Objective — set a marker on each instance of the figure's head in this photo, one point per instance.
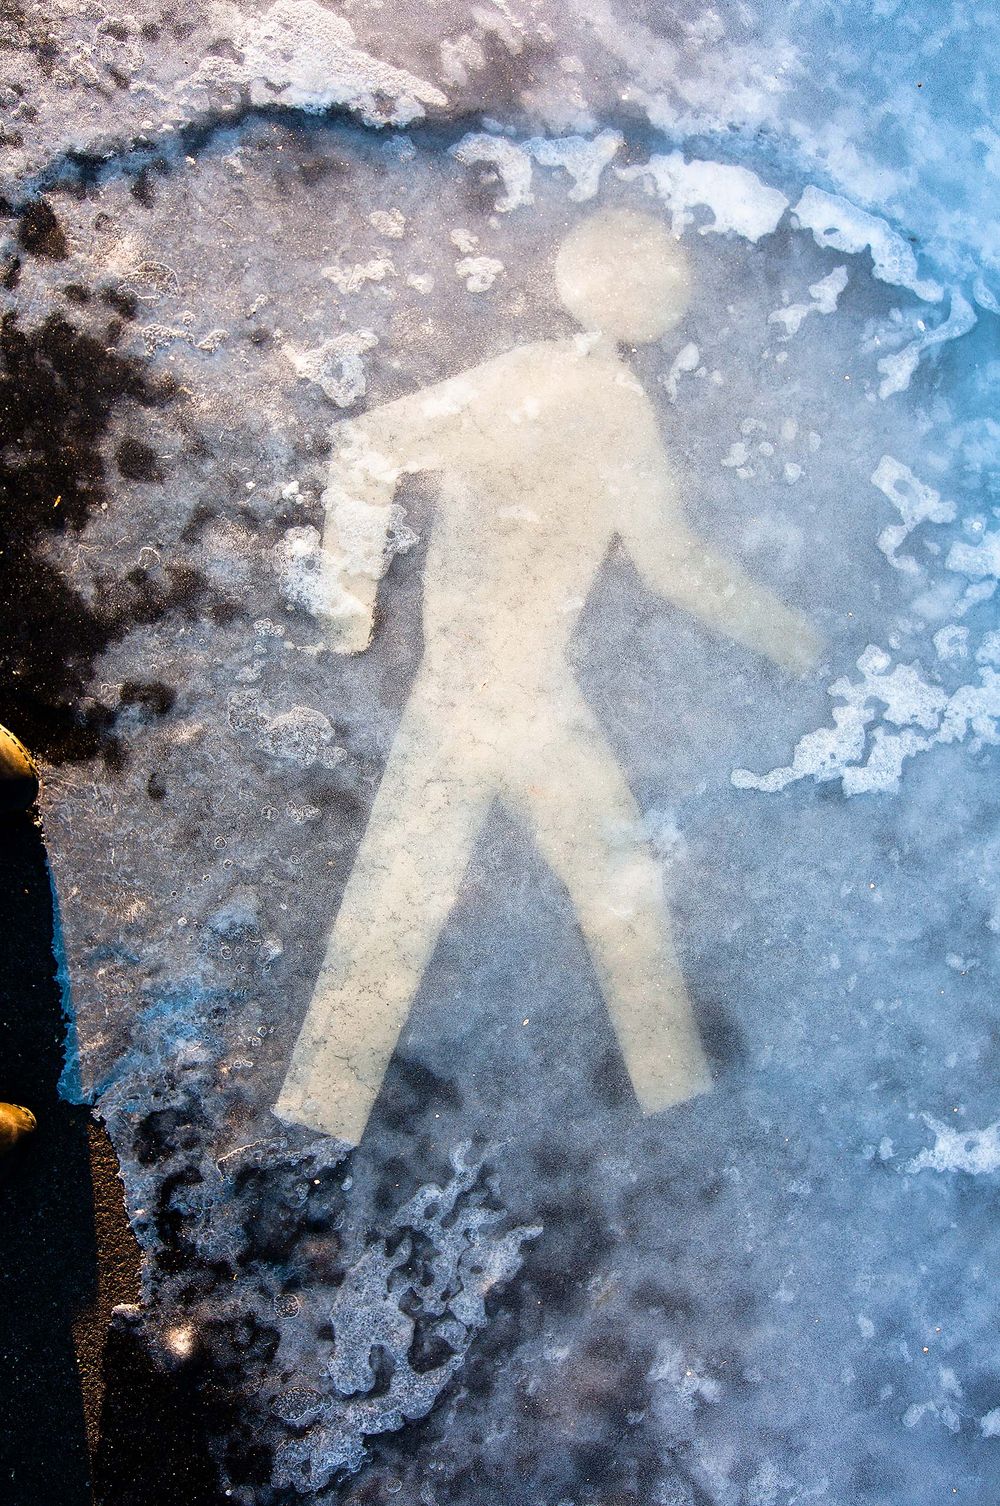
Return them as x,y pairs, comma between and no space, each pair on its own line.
621,272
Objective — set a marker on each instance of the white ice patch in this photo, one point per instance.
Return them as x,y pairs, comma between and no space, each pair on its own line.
838,223
861,750
951,643
584,158
897,369
988,651
674,1373
158,336
301,736
824,295
302,55
349,279
335,577
942,1412
388,222
335,366
915,503
976,560
479,273
316,579
463,240
984,297
370,528
298,560
976,1152
660,830
512,164
736,198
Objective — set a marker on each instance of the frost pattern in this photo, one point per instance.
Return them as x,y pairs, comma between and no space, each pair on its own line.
300,54
861,751
974,1151
336,366
330,1341
823,294
301,736
737,199
837,222
895,711
433,1280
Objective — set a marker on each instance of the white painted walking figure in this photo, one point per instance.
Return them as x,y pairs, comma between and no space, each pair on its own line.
544,455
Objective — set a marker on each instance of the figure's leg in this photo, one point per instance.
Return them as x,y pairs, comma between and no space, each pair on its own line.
423,823
589,829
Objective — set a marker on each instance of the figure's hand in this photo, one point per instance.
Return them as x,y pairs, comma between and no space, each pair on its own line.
733,605
348,632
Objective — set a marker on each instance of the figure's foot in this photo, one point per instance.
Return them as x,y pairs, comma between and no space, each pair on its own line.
15,1123
18,775
340,1117
662,1082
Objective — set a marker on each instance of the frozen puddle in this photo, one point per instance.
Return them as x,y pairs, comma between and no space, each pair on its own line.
520,767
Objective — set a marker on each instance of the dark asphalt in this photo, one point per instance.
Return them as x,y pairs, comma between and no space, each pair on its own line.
85,1418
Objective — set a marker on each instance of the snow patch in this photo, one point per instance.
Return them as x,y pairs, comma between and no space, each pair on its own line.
915,503
737,199
583,158
824,295
304,56
336,366
976,1152
838,223
925,714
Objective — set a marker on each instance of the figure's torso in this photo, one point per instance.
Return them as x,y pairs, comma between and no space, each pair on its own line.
533,453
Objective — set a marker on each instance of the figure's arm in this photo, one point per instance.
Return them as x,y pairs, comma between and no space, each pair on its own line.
370,455
358,500
675,563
